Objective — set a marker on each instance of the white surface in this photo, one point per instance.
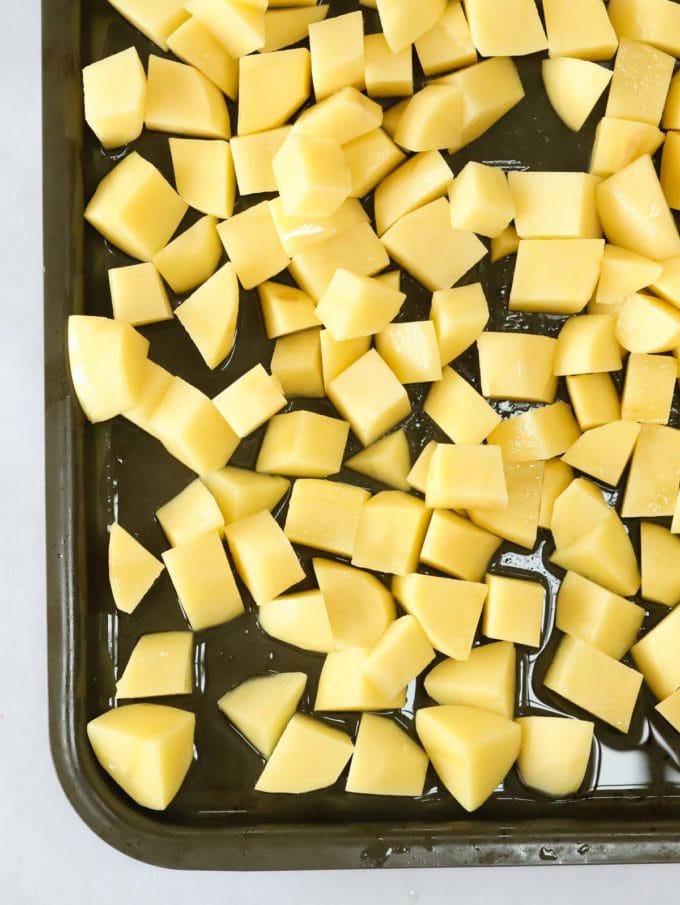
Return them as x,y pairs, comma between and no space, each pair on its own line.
47,856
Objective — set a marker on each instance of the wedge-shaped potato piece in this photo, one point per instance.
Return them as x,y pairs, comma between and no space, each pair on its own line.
138,295
359,607
309,755
594,399
263,556
421,179
448,44
540,433
515,31
595,682
472,750
156,19
353,305
448,611
456,546
410,349
296,364
204,174
344,685
344,116
337,356
114,95
595,615
272,86
642,77
307,520
204,582
462,476
671,112
669,709
160,664
387,460
285,309
580,507
557,476
132,569
655,21
624,272
518,521
299,234
250,401
390,533
135,208
146,748
660,562
237,26
459,410
667,284
182,100
573,88
670,169
554,754
505,244
459,316
210,315
518,366
386,760
513,610
648,324
603,452
555,205
192,43
107,360
417,476
649,388
261,707
192,257
240,493
193,511
481,200
253,156
656,655
619,142
303,444
485,680
253,246
298,619
399,656
404,21
283,27
587,345
557,276
432,120
654,473
387,74
337,47
155,384
579,29
370,158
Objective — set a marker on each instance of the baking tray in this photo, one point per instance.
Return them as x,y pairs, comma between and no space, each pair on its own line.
629,808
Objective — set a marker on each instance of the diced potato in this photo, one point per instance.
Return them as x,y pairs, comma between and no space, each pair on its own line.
283,27
619,142
107,359
557,476
253,246
250,401
432,120
472,750
135,208
421,179
204,174
192,257
192,43
404,21
481,200
309,755
192,512
670,169
594,399
667,284
579,28
603,452
411,351
253,156
204,582
513,610
624,272
386,760
671,112
156,19
649,388
387,74
642,77
370,158
459,316
555,205
262,707
272,86
594,682
660,564
505,244
240,493
557,276
132,569
263,556
515,31
138,295
518,521
457,547
146,748
299,234
344,685
519,366
390,533
336,356
399,656
485,680
237,26
448,611
656,655
574,87
337,47
655,21
114,95
210,313
578,508
387,460
459,410
296,364
675,524
182,100
554,753
303,445
463,476
587,345
448,44
354,305
298,619
285,309
648,324
343,116
359,607
597,616
540,433
160,664
155,384
307,520
669,709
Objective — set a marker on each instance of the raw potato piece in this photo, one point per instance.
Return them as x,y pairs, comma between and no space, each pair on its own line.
132,569
481,200
192,512
654,474
573,88
623,273
670,169
354,306
404,21
667,283
432,120
400,655
448,44
387,460
464,476
160,664
587,345
250,401
336,356
337,47
192,43
649,388
303,444
262,707
604,452
456,546
472,750
642,77
387,74
191,258
307,521
309,755
182,100
656,656
344,116
344,685
619,142
411,351
240,492
155,384
302,234
272,86
580,507
504,245
660,564
421,179
283,27
390,533
300,620
540,433
114,91
138,295
655,21
554,754
557,476
555,205
238,26
285,309
671,112
594,399
518,366
518,521
204,174
459,316
156,19
386,760
513,610
252,244
370,158
579,28
485,680
210,314
146,748
417,476
296,364
253,156
514,31
670,709
459,410
557,276
647,324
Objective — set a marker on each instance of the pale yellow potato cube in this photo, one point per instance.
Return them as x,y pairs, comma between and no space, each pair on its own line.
210,313
410,349
107,360
253,246
594,399
649,388
147,749
204,174
432,120
557,476
448,44
298,619
386,761
514,31
619,142
343,116
353,305
309,755
557,276
555,752
132,569
555,205
388,461
202,577
485,680
655,21
481,200
359,607
624,272
296,364
656,655
670,169
344,685
579,28
642,77
540,433
390,533
191,512
237,26
283,27
303,444
421,179
459,410
604,452
648,324
262,707
285,309
263,556
138,295
253,156
337,47
513,610
400,655
135,208
299,234
182,100
404,21
459,316
587,345
336,356
595,615
307,521
518,521
392,116
594,682
578,508
464,476
448,611
155,384
240,492
456,546
192,43
667,284
573,88
250,401
156,19
660,564
160,664
192,257
518,366
505,244
671,112
114,96
370,397
472,750
370,158
271,88
669,709
387,74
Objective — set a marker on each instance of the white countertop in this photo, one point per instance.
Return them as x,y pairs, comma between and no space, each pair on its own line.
47,855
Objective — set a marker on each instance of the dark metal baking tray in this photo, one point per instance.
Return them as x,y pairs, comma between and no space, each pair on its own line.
629,809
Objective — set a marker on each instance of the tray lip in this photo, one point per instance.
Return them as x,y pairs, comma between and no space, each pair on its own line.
261,847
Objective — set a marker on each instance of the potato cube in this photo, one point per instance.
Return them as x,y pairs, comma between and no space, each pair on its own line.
649,388
656,655
192,43
421,179
387,74
296,364
619,142
540,433
359,607
459,410
448,44
647,324
192,512
237,26
411,350
271,87
307,519
146,748
114,95
400,655
432,120
515,32
299,234
557,476
353,305
554,753
298,619
250,401
345,687
370,158
160,664
667,283
642,77
462,476
624,272
204,174
456,546
285,309
557,276
387,460
263,556
669,709
390,533
513,610
555,205
252,244
518,366
138,295
155,384
655,21
660,564
157,20
240,493
670,169
481,200
386,761
594,682
337,47
505,244
303,444
283,27
210,313
580,507
337,356
343,116
192,257
574,87
485,680
204,582
262,707
579,29
603,452
594,399
459,316
253,156
182,100
518,520
587,345
404,21
132,569
671,112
